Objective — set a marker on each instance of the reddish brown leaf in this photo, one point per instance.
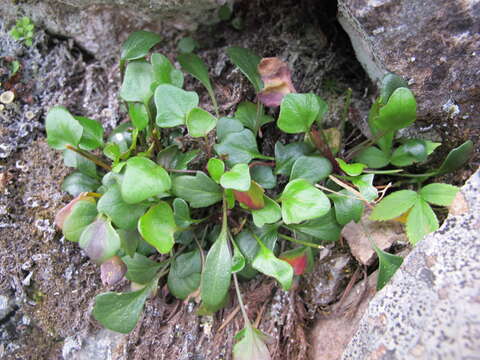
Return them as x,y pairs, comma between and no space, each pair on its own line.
253,198
298,258
112,270
277,81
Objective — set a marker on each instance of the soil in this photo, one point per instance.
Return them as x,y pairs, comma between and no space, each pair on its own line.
48,280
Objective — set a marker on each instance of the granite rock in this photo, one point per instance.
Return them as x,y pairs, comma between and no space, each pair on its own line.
434,44
431,307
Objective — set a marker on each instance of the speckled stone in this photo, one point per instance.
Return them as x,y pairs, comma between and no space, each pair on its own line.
431,307
433,44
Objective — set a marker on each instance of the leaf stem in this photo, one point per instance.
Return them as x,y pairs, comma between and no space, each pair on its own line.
182,171
90,157
301,242
240,301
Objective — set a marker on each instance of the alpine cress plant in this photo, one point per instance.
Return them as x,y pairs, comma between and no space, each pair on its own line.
147,215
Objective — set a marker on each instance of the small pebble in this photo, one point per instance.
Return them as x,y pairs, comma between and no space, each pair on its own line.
7,97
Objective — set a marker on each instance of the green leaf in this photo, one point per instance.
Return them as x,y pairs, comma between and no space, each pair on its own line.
298,112
173,105
164,72
199,190
301,201
347,208
217,272
394,205
399,112
267,263
200,122
439,194
92,135
239,147
350,169
186,45
122,136
311,168
238,260
76,183
82,164
247,62
157,227
388,265
238,178
143,179
112,151
137,82
364,183
225,12
390,83
325,228
130,239
247,113
456,158
286,155
120,311
420,221
385,139
141,269
184,276
269,214
123,215
263,175
83,213
227,126
373,157
431,146
100,240
215,168
138,114
182,213
413,150
138,45
62,128
251,345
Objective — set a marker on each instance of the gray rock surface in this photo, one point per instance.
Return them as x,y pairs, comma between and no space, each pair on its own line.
435,44
431,307
99,26
104,344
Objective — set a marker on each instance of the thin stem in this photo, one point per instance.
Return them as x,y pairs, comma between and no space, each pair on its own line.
349,188
90,157
261,163
182,171
335,192
346,108
301,242
214,101
257,119
240,301
380,172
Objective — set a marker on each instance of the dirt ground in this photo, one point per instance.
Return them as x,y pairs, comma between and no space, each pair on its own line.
50,284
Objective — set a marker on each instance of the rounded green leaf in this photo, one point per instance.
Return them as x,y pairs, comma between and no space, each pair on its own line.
138,45
269,214
173,105
215,168
62,128
439,194
239,147
92,136
138,114
350,169
157,227
77,182
143,179
414,150
399,112
347,207
141,269
184,275
394,205
100,240
263,175
200,122
164,72
227,126
137,82
373,157
420,221
82,214
238,178
390,83
247,62
285,156
186,45
298,112
199,191
301,201
250,116
123,215
311,168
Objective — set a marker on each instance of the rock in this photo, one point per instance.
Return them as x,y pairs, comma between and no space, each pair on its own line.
105,344
435,45
5,307
330,336
431,307
384,234
100,26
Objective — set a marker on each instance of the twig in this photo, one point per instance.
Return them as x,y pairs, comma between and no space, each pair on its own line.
301,242
349,188
261,163
90,157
